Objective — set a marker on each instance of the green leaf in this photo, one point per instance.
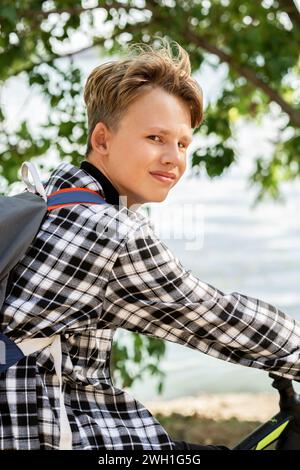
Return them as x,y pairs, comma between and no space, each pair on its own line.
9,12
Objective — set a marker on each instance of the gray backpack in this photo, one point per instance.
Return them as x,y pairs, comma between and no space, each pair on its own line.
20,219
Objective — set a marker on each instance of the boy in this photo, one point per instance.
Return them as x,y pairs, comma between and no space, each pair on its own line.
93,269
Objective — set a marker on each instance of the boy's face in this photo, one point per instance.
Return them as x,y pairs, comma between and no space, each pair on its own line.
130,157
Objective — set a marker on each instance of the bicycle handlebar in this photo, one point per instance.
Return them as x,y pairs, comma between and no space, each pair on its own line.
289,402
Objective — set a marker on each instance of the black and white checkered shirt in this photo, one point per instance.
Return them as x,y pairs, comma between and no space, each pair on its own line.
89,271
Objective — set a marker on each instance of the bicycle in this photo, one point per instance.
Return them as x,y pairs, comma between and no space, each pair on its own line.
283,428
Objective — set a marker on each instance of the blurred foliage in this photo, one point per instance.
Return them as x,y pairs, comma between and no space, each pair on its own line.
132,362
258,43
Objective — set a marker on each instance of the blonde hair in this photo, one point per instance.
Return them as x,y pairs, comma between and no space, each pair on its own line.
113,86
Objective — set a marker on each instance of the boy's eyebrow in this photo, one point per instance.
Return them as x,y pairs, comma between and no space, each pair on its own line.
162,130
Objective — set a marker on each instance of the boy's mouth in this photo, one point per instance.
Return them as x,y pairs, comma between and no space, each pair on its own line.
163,177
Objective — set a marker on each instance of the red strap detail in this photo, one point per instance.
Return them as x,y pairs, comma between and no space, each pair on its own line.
74,189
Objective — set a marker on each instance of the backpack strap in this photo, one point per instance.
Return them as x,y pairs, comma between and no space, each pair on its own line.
71,196
61,198
37,186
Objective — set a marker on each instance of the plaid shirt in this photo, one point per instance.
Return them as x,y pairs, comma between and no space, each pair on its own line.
89,271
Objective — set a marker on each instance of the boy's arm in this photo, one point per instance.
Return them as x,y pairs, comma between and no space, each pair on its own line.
150,292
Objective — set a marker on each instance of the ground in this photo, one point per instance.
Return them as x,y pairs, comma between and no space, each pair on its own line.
214,419
199,430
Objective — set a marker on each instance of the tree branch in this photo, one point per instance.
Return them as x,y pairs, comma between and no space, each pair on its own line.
292,11
44,14
202,42
75,10
97,42
246,72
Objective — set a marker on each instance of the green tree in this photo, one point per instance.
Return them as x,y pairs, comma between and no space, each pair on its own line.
258,41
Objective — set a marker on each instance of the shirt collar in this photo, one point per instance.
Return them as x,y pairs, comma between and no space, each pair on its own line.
110,192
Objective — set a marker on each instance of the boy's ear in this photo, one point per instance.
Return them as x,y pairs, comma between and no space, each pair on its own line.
100,138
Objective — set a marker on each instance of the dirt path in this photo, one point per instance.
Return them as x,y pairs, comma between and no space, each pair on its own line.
246,407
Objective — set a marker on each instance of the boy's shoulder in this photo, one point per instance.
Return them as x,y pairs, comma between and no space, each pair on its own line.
119,217
67,175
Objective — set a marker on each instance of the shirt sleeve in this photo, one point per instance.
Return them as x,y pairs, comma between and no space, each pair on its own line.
150,292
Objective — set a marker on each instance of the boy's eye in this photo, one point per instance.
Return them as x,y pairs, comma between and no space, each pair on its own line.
159,138
153,136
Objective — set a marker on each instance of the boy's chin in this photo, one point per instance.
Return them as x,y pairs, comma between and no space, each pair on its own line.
159,197
147,199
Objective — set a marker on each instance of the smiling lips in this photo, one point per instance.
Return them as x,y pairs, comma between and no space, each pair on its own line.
163,176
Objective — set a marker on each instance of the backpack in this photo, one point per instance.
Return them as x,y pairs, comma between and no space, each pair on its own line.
20,219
